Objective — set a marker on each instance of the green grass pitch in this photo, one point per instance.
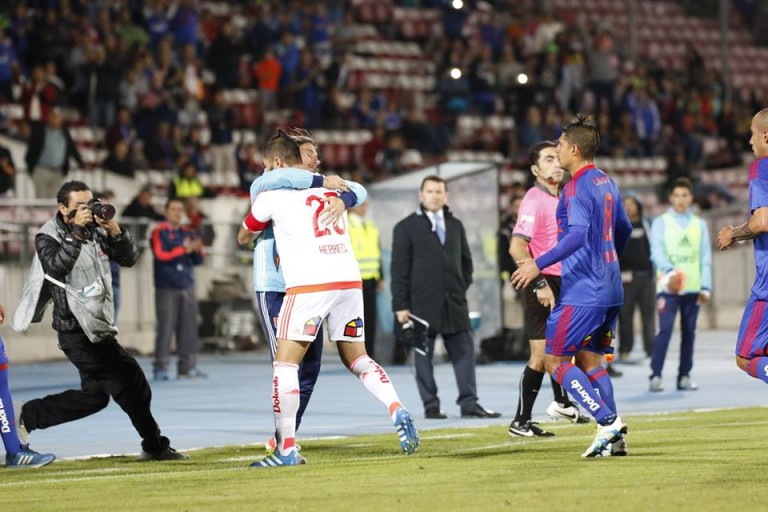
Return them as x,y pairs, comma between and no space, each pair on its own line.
690,461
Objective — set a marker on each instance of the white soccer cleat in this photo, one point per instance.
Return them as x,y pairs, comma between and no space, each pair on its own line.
606,435
571,413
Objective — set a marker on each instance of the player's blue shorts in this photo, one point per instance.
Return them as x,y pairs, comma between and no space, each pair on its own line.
753,331
269,304
574,328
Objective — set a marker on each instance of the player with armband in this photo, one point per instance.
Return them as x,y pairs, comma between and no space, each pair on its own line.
323,282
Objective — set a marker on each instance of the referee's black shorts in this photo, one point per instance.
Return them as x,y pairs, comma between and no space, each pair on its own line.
535,318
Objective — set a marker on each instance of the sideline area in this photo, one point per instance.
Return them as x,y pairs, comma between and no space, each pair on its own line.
232,406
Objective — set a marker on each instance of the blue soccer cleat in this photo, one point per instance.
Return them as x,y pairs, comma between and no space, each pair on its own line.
406,430
274,460
606,435
28,458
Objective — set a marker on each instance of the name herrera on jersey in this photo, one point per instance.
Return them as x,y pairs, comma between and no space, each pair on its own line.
333,249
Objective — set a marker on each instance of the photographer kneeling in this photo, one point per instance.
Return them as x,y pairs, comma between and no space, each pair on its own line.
71,268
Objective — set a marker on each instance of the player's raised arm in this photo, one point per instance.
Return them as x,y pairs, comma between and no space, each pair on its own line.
285,178
295,178
754,227
355,195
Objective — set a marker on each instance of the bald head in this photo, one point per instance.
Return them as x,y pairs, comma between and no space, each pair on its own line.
759,134
761,119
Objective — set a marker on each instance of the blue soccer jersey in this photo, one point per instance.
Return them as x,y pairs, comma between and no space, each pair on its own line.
591,275
758,198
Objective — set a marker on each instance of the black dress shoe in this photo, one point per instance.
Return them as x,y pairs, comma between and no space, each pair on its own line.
434,413
613,372
478,411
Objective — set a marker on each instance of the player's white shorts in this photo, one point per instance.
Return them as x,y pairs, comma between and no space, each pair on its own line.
302,313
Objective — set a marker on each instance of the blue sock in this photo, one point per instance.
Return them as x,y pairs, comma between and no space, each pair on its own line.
758,368
602,383
578,385
7,417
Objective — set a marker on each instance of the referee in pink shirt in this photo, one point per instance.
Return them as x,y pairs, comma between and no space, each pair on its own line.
534,234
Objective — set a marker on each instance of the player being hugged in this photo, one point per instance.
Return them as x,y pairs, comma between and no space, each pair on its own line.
593,230
322,281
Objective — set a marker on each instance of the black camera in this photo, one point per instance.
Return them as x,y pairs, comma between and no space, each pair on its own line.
101,210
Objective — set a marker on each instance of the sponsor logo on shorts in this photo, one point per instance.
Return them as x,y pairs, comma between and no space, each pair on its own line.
275,396
587,400
5,427
765,370
354,329
311,326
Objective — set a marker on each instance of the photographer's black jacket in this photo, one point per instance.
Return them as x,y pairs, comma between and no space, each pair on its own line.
58,259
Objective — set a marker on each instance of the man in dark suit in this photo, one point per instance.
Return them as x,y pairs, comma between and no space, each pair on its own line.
48,152
431,271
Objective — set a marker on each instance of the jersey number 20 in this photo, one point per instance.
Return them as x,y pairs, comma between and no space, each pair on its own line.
339,228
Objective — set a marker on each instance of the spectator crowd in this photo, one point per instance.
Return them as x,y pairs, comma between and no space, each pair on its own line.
154,77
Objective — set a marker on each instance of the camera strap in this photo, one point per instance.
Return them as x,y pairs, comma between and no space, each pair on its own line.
92,290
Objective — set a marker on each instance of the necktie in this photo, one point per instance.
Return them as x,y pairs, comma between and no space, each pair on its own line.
439,229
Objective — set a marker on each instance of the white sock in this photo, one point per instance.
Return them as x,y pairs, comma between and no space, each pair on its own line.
377,382
285,404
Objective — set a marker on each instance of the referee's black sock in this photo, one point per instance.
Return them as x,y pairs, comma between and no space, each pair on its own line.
530,383
561,396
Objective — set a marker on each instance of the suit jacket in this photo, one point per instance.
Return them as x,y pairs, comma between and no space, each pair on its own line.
35,148
432,279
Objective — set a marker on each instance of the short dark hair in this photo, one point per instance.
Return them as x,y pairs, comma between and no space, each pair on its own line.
281,145
681,183
62,196
582,132
436,179
535,152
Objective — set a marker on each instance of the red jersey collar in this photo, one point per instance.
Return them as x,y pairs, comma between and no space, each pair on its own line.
582,170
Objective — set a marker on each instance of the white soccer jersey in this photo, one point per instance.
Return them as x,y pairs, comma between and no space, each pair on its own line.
313,256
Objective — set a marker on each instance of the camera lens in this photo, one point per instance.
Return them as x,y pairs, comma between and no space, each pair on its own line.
101,210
